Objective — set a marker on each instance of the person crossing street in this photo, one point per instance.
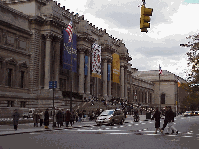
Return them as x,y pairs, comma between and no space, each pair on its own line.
156,116
169,119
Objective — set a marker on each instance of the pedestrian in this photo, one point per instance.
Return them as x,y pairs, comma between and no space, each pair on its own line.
76,116
156,116
80,116
67,117
46,119
72,119
59,118
35,118
15,119
41,115
169,119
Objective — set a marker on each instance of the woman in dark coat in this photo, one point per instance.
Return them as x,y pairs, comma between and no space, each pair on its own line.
15,119
67,117
157,120
59,118
46,119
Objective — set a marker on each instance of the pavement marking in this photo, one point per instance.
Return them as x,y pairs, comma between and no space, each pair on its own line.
129,125
118,133
99,130
187,136
136,124
143,123
121,126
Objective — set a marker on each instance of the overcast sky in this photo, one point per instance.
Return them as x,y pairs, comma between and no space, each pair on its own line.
171,22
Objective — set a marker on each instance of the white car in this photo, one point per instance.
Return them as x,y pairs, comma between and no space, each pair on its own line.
110,117
188,113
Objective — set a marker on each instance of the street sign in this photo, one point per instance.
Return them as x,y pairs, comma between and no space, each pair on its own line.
52,84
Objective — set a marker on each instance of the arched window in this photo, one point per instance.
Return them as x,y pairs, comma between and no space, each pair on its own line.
162,98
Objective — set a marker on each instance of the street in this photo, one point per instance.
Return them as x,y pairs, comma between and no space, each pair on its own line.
89,135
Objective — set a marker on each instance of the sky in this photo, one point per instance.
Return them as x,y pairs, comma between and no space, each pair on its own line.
171,22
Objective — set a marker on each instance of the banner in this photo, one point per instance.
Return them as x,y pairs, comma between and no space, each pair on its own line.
109,72
86,66
68,47
116,68
96,60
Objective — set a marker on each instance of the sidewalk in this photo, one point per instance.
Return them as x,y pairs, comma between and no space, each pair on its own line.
29,127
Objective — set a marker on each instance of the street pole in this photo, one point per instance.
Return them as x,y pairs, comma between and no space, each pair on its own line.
159,90
53,105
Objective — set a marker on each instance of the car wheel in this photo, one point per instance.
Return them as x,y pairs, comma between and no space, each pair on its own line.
122,122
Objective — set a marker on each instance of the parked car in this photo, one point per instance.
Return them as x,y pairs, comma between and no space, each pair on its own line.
111,117
188,113
196,113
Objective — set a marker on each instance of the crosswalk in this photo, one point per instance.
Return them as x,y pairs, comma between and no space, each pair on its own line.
126,129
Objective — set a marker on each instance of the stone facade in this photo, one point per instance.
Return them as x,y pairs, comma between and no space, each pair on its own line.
166,89
31,48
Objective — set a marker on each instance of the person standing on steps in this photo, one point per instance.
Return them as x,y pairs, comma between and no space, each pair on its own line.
156,116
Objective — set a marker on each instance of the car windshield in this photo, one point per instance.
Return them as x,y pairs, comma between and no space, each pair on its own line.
105,113
188,112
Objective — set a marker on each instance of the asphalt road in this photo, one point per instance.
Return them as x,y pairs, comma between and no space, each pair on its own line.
130,135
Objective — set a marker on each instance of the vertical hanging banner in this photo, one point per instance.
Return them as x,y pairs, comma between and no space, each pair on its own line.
116,68
109,72
69,47
96,60
86,66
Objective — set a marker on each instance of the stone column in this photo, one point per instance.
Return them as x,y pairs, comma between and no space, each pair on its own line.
109,83
57,61
81,72
105,79
88,77
122,81
47,61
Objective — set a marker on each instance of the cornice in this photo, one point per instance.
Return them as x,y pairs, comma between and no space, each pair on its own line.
3,5
16,28
14,50
85,37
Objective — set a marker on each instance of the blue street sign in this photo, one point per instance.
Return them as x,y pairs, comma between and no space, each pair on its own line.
55,84
50,84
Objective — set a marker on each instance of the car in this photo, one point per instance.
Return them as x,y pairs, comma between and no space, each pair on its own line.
188,113
110,117
196,113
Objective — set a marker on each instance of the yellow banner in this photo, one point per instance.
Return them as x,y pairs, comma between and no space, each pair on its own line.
116,68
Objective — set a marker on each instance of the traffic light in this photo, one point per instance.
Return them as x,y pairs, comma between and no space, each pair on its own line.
145,13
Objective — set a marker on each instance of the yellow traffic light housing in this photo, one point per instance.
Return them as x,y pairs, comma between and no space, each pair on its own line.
145,13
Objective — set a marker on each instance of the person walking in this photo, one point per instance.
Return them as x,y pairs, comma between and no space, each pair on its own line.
46,119
169,119
15,119
156,116
67,119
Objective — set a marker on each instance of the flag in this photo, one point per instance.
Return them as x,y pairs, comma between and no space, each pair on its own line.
116,68
108,73
86,66
69,30
179,83
160,70
96,60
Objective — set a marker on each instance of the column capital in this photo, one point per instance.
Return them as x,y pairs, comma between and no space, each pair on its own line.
48,36
81,50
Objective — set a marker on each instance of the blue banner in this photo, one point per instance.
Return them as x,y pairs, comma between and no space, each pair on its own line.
86,66
68,47
109,73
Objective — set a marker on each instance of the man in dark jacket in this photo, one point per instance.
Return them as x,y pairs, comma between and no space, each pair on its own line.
15,119
156,116
169,119
46,119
